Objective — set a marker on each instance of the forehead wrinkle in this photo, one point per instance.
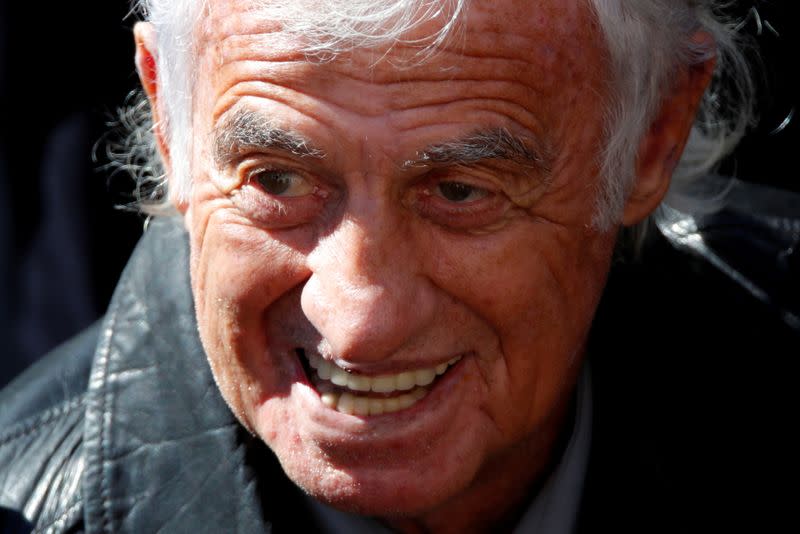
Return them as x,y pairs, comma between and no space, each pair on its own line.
506,111
323,115
492,143
495,93
321,85
399,89
257,46
249,130
446,65
327,99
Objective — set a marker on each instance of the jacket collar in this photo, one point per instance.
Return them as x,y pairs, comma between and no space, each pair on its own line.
163,450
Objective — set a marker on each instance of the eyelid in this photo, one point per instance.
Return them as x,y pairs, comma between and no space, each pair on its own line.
317,187
249,171
465,216
279,211
250,174
434,181
249,168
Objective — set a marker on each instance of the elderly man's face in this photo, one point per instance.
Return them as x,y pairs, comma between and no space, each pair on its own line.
421,231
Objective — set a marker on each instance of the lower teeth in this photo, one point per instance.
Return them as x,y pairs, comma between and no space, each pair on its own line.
359,405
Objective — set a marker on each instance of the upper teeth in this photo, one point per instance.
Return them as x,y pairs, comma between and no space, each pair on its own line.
389,383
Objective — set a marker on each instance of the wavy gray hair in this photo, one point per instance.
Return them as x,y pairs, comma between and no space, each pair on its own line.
646,39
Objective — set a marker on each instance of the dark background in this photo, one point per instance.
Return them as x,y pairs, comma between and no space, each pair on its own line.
65,68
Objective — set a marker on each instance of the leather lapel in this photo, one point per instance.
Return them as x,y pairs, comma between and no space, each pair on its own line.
163,449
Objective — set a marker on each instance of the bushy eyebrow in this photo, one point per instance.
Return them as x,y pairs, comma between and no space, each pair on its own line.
245,130
494,143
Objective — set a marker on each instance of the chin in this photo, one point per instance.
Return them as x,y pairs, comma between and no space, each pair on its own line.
376,492
368,472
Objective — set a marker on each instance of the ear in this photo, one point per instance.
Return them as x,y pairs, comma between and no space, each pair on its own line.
662,146
147,67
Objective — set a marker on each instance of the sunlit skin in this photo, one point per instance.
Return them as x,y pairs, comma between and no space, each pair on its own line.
382,266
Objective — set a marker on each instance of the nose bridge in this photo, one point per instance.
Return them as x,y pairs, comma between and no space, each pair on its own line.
358,249
365,295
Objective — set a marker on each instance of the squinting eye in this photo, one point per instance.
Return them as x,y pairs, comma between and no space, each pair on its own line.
460,192
283,183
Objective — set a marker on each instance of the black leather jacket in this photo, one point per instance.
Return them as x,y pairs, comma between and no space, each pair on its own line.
123,429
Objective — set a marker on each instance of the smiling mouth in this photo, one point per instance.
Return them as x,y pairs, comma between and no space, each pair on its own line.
356,394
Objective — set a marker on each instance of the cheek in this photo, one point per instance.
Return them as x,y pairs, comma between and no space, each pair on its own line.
240,266
540,274
225,281
537,290
237,274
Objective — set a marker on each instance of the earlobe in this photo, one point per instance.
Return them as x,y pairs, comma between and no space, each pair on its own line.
661,149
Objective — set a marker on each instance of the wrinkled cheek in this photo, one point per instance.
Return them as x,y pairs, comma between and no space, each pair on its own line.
230,282
545,342
222,325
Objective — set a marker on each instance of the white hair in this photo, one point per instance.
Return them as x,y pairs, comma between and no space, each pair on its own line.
647,40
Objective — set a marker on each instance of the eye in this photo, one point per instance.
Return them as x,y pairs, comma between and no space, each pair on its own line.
460,192
282,183
279,198
459,205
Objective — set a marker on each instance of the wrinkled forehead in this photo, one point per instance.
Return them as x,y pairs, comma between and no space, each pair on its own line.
531,65
405,32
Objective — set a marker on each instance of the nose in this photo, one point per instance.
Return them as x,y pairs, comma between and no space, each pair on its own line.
366,295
